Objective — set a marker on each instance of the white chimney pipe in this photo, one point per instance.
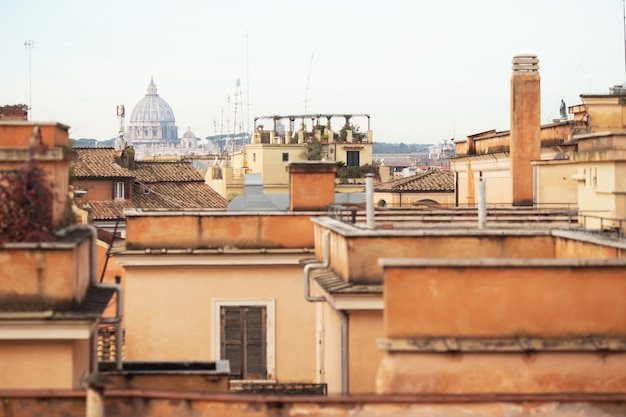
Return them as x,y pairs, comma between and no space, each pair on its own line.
482,202
369,200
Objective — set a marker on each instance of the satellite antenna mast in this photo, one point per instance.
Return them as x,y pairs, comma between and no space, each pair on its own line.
624,16
29,44
247,87
120,143
306,91
237,99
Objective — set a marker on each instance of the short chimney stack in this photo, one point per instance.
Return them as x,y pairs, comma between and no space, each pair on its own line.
311,185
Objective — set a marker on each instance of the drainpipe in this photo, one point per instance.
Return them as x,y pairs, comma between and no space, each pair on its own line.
535,187
93,281
308,268
482,203
369,200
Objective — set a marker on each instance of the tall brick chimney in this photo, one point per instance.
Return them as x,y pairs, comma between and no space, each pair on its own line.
311,185
525,126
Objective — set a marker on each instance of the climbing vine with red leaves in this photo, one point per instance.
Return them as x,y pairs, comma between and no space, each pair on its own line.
25,205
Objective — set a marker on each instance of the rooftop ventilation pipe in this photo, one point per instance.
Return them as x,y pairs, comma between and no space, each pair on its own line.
482,202
369,200
308,268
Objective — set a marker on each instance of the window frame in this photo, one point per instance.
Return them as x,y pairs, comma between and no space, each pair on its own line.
270,330
116,195
285,157
350,156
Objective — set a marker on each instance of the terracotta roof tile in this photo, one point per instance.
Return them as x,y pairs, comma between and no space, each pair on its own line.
171,184
98,162
428,181
107,210
158,171
178,195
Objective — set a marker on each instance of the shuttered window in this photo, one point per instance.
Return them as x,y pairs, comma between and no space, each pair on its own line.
243,341
118,190
353,158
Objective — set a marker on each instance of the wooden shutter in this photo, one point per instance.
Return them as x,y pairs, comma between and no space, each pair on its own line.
255,357
243,341
232,347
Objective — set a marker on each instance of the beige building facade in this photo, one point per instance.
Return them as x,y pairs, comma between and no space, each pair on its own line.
272,149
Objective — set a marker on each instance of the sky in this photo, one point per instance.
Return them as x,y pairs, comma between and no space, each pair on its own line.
425,71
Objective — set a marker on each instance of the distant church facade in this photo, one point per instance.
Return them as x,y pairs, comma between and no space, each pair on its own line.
152,121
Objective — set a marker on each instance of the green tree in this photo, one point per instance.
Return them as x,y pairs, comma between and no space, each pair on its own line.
313,151
356,132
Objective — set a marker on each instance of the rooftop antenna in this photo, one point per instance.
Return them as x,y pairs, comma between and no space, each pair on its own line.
237,101
247,87
29,44
306,92
624,16
120,143
227,124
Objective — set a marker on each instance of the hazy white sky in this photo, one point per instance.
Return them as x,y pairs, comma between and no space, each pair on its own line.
423,70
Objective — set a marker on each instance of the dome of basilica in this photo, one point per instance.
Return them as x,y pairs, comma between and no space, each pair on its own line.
189,134
152,120
152,107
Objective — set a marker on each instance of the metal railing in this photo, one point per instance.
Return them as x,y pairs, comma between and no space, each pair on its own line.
606,224
588,221
283,389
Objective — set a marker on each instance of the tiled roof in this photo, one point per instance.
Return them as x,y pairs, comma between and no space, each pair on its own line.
335,285
107,210
178,195
427,181
98,162
159,171
172,184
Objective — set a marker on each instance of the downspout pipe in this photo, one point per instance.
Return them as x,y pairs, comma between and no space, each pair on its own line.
93,281
308,269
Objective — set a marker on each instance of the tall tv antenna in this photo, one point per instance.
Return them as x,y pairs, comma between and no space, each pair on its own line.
624,16
29,44
306,92
237,101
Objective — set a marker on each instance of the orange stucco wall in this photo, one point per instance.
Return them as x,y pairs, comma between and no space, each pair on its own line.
220,229
112,269
356,258
16,136
156,404
19,134
51,276
39,364
581,249
97,190
365,328
463,373
504,301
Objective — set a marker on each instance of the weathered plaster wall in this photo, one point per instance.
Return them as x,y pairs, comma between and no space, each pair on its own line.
169,312
463,373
